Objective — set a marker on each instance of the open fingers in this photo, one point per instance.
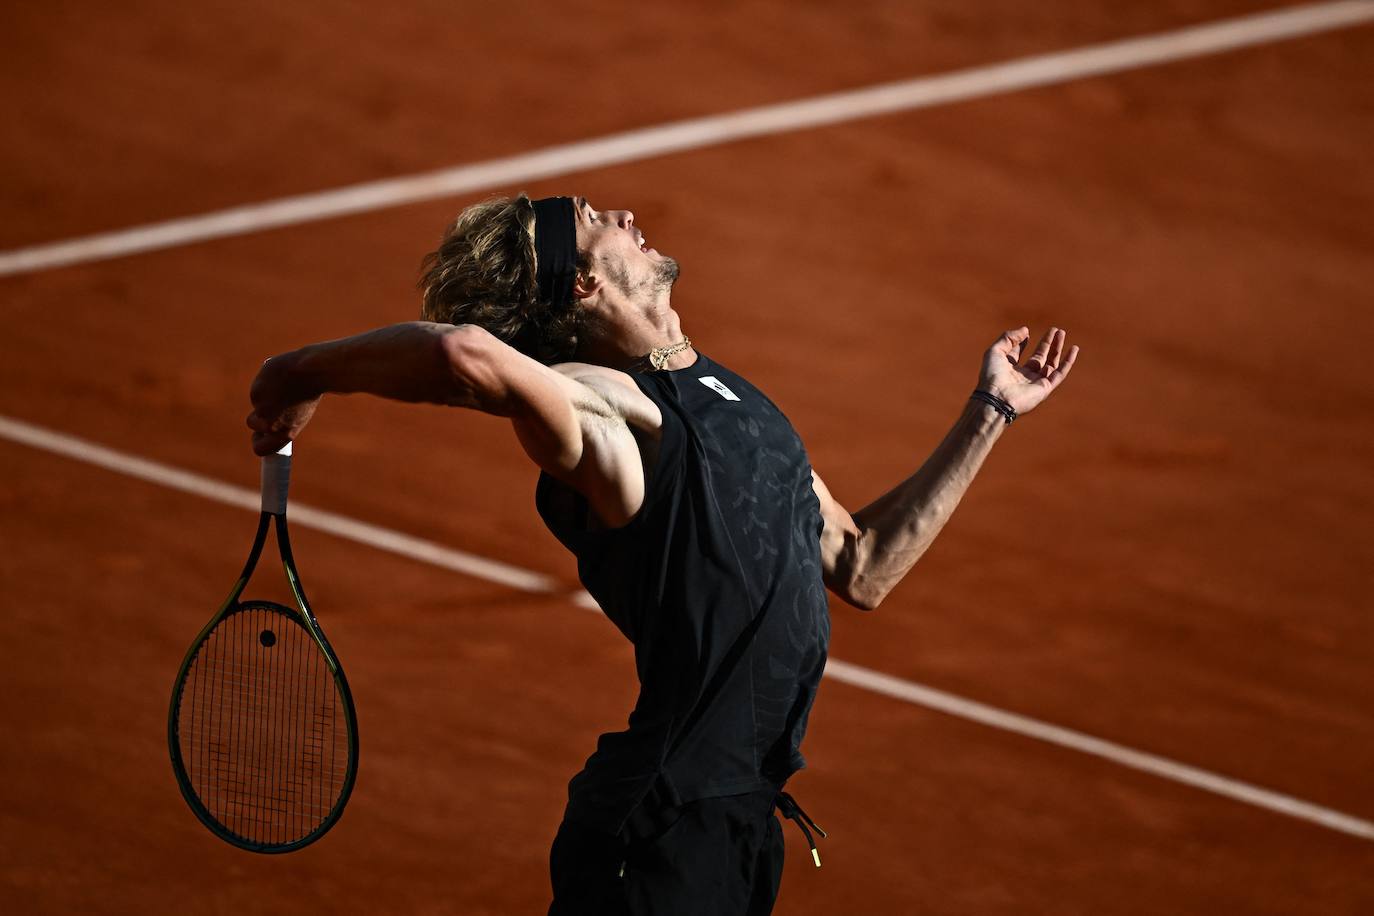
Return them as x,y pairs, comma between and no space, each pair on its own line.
1040,358
1050,352
1061,372
1056,353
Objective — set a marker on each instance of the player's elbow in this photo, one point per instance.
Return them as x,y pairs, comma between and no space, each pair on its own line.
468,353
855,590
850,568
863,596
868,591
465,346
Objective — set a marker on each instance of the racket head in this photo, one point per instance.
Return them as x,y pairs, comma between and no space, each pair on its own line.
262,730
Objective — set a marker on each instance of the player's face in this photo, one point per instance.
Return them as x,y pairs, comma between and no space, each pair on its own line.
618,251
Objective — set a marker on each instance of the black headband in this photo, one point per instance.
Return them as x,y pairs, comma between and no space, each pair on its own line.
555,249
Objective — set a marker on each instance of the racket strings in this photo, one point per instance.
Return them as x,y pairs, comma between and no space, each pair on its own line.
264,733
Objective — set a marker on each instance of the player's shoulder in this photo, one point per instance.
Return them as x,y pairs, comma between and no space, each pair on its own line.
584,370
598,378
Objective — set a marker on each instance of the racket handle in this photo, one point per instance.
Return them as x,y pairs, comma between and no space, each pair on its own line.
276,479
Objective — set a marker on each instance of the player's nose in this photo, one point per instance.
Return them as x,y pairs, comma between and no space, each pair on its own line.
624,218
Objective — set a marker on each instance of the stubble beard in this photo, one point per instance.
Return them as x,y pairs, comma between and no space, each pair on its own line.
659,283
666,275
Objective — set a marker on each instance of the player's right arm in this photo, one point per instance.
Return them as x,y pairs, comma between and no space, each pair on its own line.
574,421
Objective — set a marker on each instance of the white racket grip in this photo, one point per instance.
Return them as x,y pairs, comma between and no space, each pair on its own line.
276,479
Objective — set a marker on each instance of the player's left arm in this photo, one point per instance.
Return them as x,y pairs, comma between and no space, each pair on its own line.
865,554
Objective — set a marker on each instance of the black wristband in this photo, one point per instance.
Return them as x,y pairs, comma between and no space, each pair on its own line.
1006,410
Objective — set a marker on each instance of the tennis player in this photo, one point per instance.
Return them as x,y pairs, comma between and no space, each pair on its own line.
697,522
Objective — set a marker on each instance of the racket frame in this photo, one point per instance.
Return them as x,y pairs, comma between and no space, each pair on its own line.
307,618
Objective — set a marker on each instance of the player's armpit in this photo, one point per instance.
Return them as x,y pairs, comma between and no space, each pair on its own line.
573,421
840,548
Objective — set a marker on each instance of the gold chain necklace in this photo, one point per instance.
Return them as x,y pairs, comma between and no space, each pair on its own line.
658,356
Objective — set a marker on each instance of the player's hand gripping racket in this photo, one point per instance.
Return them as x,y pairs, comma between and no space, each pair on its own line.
262,733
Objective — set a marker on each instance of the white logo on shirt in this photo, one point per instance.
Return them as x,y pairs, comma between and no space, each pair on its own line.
715,384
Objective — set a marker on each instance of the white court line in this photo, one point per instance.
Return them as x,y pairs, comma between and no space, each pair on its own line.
524,580
1117,753
301,516
696,133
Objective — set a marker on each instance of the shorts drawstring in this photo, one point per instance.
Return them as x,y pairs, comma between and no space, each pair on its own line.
793,811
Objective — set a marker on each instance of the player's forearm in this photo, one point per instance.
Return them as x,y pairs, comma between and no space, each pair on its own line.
414,361
899,526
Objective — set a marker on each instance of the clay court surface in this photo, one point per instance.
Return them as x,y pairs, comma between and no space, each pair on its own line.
1172,553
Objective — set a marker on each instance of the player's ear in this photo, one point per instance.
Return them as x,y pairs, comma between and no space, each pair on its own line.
585,284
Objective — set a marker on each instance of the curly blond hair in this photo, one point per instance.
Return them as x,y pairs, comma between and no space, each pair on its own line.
483,273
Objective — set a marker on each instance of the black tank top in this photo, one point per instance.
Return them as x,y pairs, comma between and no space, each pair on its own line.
717,582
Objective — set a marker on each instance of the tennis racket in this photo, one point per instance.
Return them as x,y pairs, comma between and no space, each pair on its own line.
262,731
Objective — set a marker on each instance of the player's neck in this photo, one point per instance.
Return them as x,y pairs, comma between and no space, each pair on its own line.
627,346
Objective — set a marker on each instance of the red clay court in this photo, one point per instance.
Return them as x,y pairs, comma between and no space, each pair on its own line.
1135,674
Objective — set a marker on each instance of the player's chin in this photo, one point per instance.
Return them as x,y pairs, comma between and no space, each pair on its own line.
667,269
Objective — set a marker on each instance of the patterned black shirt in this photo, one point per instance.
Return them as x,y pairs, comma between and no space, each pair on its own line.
717,582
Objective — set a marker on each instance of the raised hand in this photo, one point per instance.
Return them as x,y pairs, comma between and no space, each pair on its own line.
1023,386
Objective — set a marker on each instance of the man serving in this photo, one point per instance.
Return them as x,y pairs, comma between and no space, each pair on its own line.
696,519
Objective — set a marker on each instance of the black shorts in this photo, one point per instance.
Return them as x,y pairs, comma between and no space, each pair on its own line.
717,856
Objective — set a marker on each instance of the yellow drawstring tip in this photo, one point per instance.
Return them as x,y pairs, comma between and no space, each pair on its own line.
817,856
622,869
